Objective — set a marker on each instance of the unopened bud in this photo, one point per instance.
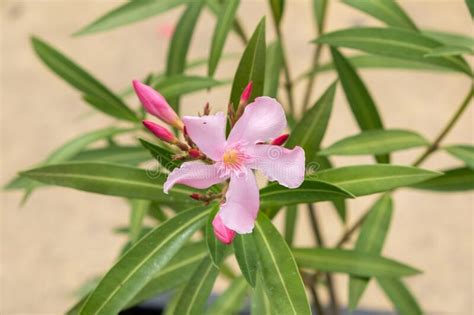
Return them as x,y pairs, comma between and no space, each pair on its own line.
160,131
194,153
195,196
207,109
244,98
280,140
222,233
156,104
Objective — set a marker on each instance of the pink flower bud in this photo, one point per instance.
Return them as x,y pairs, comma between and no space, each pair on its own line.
156,104
194,153
222,233
159,131
195,196
244,98
280,140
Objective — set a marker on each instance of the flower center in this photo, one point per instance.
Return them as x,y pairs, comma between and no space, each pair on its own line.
231,158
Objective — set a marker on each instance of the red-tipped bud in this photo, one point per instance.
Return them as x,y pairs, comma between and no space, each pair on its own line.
244,98
156,104
280,140
194,153
222,233
195,196
159,131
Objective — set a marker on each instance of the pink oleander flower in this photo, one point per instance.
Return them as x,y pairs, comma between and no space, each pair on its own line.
235,158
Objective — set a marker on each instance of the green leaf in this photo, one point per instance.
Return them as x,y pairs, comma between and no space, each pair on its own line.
319,12
274,62
387,11
130,12
178,85
215,8
458,179
309,132
179,45
351,262
462,152
138,265
216,249
310,191
401,297
281,278
450,39
277,7
224,23
376,142
110,179
130,155
162,155
176,273
393,42
291,216
194,296
443,51
251,67
362,104
231,300
371,239
260,303
137,215
470,6
370,179
103,99
246,255
374,62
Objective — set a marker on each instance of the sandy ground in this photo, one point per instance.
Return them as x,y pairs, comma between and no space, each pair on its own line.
62,237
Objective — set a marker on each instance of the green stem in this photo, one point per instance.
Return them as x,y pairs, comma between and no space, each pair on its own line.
318,237
444,132
315,63
286,70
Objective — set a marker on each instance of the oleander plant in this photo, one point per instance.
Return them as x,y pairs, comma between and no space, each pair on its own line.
191,181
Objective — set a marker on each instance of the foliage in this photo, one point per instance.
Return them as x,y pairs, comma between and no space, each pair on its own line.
166,257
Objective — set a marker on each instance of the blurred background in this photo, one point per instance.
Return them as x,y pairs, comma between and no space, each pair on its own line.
62,237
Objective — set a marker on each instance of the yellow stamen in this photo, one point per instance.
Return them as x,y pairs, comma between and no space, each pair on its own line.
231,157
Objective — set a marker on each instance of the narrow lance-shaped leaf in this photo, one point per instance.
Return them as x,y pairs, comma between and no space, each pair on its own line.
195,294
277,7
177,85
443,51
319,12
251,67
130,155
291,216
179,45
462,152
376,142
362,104
214,6
401,297
470,6
370,179
281,278
247,256
371,239
130,12
137,215
450,39
351,262
231,300
110,179
387,11
217,250
138,265
273,66
224,24
162,155
458,179
104,99
309,132
310,191
260,304
393,42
